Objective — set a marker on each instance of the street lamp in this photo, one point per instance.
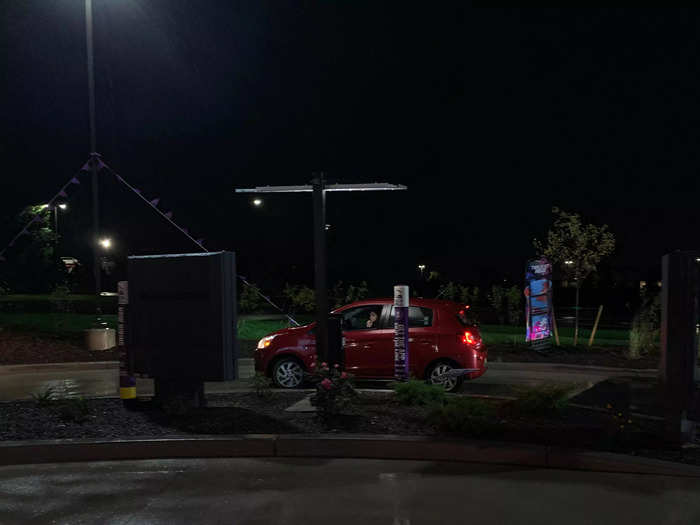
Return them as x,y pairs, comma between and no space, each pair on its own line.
106,243
569,262
63,206
257,202
421,267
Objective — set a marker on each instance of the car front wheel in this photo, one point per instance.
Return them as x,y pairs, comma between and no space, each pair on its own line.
287,373
436,376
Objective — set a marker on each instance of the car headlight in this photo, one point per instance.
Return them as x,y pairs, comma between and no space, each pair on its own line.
265,342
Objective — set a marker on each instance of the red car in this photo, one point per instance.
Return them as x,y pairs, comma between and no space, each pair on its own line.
441,338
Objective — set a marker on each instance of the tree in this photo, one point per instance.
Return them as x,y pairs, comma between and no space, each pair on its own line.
33,265
576,248
301,297
497,300
249,299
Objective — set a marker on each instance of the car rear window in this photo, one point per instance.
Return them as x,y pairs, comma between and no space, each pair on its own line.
418,317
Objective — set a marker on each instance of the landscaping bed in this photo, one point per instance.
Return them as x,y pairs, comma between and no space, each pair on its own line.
21,348
373,413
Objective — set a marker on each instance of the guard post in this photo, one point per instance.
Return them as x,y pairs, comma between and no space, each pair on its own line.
401,354
127,382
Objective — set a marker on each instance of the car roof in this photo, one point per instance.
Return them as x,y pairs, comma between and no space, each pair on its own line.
414,301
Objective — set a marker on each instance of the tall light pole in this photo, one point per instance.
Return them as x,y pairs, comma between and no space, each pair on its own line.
93,152
318,188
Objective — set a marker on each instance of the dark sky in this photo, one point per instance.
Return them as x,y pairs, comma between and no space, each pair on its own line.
490,117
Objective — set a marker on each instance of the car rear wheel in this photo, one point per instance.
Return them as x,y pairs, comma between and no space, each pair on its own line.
436,376
287,373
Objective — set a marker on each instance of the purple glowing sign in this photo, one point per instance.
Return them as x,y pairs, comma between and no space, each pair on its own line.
538,304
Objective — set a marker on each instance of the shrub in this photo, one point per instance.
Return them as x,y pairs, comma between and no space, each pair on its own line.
45,397
542,400
419,393
645,331
262,385
334,390
465,415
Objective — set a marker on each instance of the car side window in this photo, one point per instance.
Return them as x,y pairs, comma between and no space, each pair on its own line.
418,317
362,317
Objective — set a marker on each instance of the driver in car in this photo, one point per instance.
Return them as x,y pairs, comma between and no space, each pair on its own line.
373,320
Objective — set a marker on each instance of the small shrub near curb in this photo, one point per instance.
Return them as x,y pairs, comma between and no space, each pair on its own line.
73,409
419,393
542,400
262,385
468,416
334,390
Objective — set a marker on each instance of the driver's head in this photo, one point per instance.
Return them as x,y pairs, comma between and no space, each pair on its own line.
373,316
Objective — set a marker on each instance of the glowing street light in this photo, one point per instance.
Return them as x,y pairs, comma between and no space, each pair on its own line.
106,243
63,206
257,202
569,262
421,267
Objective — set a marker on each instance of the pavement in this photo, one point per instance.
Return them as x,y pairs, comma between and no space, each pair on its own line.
100,379
338,491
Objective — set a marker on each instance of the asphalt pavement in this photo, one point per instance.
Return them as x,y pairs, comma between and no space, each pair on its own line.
101,378
338,491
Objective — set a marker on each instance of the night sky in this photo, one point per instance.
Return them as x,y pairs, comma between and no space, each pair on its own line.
490,117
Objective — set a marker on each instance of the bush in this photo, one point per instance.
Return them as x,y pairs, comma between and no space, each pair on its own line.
45,398
465,415
262,385
541,400
419,393
334,390
646,326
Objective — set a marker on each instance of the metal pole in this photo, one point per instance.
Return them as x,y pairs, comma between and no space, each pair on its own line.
319,198
55,222
93,154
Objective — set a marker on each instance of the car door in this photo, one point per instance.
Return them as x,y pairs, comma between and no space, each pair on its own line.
422,341
362,339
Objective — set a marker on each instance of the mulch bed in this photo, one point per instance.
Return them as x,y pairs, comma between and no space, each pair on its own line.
25,349
595,356
375,413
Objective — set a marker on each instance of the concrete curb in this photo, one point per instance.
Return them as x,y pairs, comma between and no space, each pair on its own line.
360,446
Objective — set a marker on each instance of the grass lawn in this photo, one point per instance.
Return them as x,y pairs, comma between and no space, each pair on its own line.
500,334
59,324
72,325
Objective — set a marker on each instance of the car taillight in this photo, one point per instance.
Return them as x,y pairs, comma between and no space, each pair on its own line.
469,338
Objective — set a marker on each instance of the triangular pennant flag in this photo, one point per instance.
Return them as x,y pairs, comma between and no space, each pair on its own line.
74,180
86,166
100,164
169,215
155,202
63,193
137,191
185,230
200,241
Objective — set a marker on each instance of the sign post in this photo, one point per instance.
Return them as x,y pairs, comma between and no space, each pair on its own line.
127,382
538,301
401,300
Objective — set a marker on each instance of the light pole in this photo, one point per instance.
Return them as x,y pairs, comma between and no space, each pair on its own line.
421,267
93,152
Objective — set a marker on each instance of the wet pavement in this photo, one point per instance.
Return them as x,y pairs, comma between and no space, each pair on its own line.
101,378
308,491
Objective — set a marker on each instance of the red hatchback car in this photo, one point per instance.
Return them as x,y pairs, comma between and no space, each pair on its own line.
441,338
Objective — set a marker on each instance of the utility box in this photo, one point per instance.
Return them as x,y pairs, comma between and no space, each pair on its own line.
182,317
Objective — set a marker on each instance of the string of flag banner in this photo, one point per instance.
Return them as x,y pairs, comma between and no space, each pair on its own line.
38,217
168,216
153,203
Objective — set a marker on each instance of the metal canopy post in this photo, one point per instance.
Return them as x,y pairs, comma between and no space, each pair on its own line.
320,274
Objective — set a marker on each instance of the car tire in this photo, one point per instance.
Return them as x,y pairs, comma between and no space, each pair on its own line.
436,369
288,372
